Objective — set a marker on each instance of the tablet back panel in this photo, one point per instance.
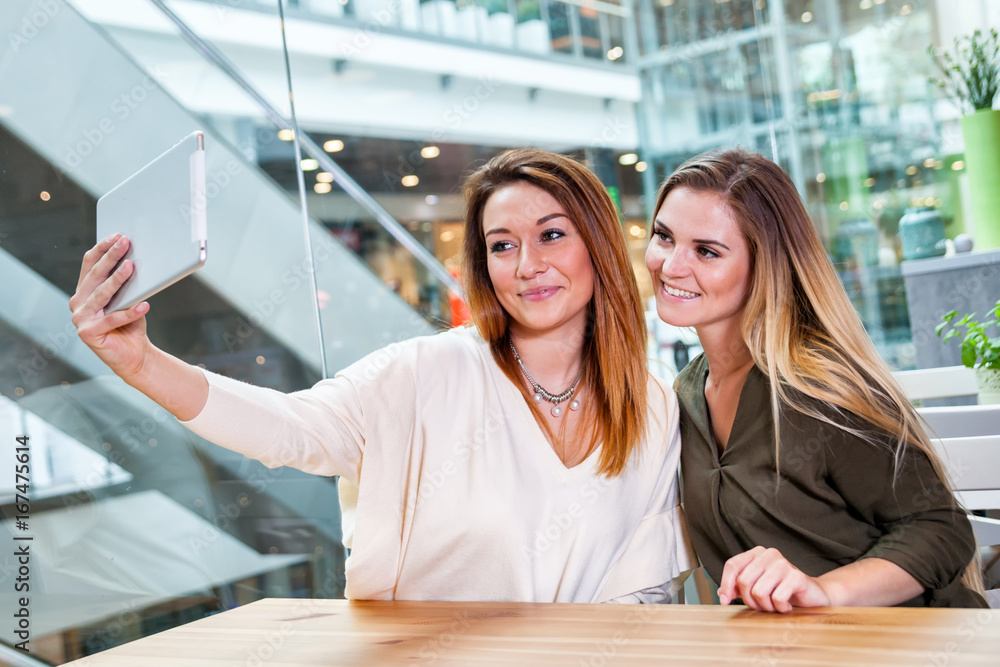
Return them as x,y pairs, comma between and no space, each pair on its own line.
161,209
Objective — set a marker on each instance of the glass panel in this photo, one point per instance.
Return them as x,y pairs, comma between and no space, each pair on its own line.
838,93
590,33
208,529
559,25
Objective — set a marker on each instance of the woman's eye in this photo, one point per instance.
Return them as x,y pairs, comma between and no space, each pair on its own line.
662,236
500,246
552,234
707,252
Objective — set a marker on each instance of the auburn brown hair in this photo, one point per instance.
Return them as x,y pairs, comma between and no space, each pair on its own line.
801,328
614,364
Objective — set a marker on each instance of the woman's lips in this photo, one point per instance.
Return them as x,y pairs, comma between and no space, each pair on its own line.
677,293
539,293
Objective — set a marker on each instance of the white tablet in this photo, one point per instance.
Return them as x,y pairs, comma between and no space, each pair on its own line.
161,209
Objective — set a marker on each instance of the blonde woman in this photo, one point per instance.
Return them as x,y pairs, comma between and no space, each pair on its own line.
531,458
808,480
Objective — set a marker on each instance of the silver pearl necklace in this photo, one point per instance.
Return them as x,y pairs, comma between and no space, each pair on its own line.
541,394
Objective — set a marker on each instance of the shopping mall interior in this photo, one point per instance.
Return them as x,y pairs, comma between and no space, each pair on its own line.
141,524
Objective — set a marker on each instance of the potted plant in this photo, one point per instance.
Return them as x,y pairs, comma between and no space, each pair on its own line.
979,351
501,23
971,76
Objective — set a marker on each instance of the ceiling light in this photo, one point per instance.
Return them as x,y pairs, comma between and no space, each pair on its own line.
628,158
322,188
310,164
409,180
333,146
324,177
286,135
430,152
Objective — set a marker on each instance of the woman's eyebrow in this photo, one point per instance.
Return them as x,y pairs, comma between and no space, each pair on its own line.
550,216
658,223
541,221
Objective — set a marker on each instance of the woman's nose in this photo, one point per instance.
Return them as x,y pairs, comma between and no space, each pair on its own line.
674,263
530,262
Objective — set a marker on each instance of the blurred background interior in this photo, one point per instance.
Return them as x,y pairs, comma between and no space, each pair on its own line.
139,525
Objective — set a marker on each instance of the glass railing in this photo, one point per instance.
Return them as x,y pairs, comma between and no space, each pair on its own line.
591,32
137,524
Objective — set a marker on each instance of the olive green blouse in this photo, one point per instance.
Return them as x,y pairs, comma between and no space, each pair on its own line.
835,503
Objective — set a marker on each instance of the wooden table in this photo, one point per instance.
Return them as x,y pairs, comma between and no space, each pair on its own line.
286,633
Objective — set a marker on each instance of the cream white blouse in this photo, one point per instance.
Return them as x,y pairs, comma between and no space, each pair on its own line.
460,496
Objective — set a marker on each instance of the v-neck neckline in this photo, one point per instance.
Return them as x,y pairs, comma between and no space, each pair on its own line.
741,407
584,467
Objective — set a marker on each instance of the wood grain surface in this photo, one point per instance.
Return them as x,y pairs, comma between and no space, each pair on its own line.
290,633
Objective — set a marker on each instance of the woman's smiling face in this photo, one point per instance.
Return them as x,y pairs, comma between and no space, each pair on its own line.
537,260
699,261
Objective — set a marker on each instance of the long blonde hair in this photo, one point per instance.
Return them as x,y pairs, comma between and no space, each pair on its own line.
615,342
800,326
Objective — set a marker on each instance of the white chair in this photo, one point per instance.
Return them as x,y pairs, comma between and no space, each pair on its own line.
968,440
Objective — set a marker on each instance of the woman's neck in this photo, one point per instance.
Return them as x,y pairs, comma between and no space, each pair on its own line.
726,352
552,357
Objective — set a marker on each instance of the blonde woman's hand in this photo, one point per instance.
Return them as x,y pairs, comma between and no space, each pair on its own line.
119,338
766,581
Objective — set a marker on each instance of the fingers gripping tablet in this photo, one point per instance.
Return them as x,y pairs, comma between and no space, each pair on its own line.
161,210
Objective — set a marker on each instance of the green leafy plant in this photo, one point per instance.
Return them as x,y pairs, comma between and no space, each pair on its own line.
978,349
972,74
528,10
494,6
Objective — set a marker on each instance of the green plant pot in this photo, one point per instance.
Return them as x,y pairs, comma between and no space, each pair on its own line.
988,382
981,132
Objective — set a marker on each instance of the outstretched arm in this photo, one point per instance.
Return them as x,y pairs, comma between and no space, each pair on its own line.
319,430
119,339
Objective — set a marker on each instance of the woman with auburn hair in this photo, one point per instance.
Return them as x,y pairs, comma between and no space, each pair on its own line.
808,479
530,458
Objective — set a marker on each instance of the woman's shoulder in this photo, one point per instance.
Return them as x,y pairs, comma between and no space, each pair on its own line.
690,385
454,346
437,353
691,379
662,412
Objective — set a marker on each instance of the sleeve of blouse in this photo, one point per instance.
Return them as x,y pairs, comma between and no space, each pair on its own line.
924,531
319,430
660,551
